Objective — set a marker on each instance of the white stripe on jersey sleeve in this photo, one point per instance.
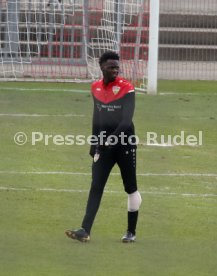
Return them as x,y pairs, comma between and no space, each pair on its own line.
130,91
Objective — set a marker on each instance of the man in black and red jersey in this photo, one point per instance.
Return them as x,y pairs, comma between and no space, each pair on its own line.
113,129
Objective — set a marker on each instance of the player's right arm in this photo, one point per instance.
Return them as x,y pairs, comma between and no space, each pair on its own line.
95,127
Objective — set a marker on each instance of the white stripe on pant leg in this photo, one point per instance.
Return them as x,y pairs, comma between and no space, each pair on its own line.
134,201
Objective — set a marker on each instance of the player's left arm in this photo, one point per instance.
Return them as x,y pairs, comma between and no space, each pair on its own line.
127,113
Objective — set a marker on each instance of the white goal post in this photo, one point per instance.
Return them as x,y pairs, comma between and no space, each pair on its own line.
61,40
153,47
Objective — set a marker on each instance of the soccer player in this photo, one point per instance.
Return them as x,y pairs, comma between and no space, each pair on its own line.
114,103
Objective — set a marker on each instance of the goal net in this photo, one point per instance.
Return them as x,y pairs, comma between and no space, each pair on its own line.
61,40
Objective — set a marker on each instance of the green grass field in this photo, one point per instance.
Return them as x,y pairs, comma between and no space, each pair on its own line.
44,188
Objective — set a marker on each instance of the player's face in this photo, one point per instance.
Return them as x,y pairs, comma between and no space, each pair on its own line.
110,70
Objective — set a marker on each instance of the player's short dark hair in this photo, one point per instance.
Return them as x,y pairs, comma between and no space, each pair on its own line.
108,55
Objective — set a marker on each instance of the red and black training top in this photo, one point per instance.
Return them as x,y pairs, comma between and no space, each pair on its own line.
114,106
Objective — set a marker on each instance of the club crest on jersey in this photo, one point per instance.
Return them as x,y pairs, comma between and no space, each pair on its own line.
99,107
115,89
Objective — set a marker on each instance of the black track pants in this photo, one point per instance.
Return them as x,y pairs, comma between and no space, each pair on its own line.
125,157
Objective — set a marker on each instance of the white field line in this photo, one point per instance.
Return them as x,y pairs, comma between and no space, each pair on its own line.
39,115
46,89
86,173
53,90
2,188
169,93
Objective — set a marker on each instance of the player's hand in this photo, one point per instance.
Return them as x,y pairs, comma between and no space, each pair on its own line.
96,157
